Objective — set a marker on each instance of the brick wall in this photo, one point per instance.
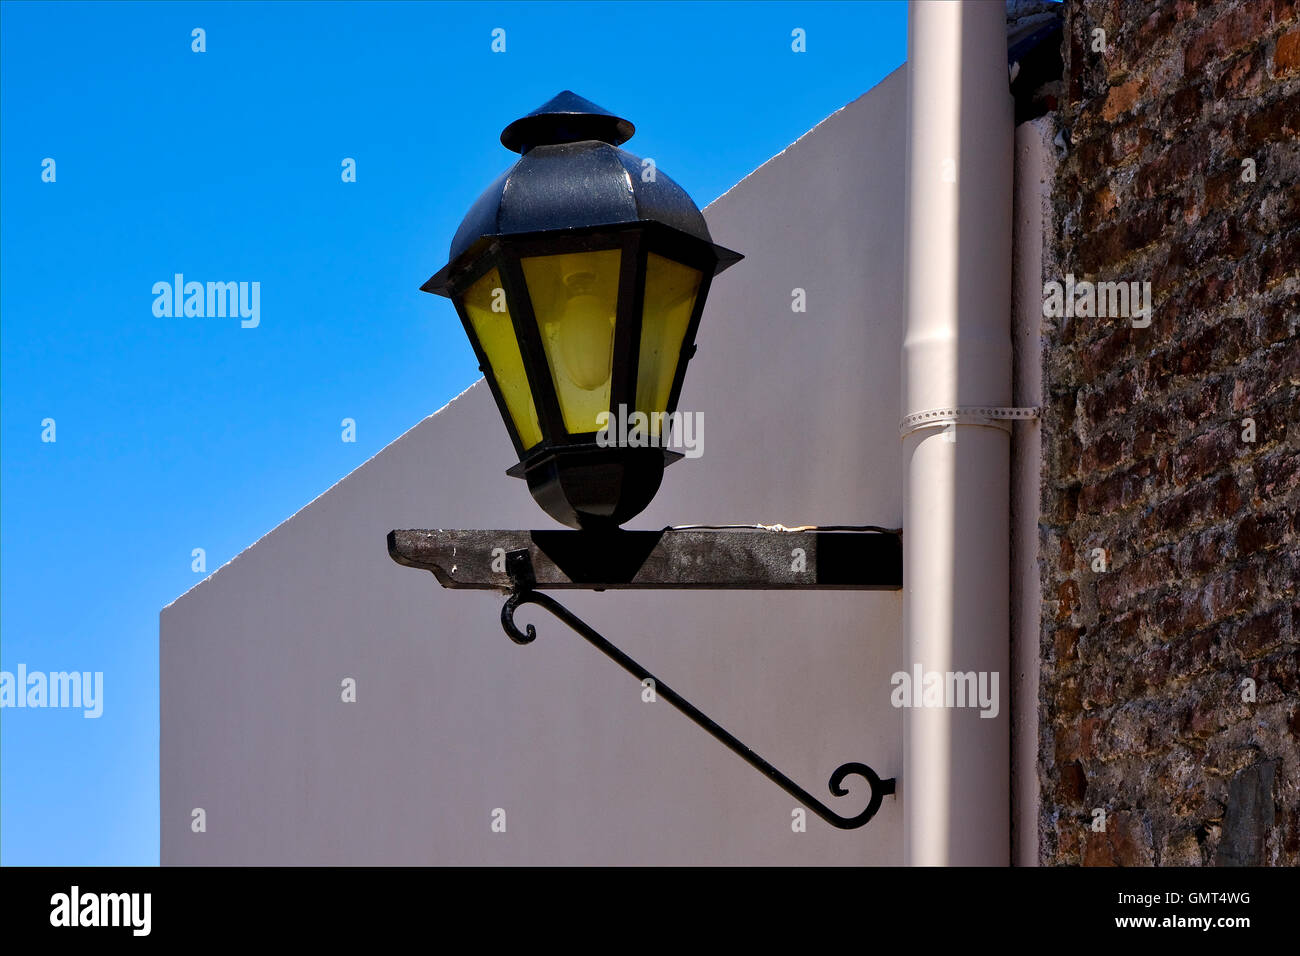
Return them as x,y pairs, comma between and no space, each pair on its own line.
1145,664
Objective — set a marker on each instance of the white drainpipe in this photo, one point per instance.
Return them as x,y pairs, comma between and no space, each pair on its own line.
955,783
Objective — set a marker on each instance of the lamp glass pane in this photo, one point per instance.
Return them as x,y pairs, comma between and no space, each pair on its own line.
670,290
485,304
575,300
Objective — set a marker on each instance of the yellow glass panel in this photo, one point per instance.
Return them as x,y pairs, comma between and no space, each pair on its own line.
670,290
485,304
575,300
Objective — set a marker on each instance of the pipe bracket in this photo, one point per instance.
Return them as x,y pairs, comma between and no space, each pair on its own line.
989,416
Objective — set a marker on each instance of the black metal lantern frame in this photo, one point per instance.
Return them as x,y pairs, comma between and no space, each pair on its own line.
574,478
635,241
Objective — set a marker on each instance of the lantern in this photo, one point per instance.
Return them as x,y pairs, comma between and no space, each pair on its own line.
580,276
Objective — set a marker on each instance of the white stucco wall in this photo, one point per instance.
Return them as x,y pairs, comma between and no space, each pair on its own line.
452,720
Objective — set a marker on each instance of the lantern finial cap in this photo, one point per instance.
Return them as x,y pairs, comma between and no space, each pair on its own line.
566,118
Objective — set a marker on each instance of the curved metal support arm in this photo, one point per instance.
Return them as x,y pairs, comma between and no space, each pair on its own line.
879,788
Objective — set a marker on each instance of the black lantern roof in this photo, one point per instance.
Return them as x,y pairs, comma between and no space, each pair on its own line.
572,175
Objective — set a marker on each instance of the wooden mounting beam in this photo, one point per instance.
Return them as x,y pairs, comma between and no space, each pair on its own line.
726,559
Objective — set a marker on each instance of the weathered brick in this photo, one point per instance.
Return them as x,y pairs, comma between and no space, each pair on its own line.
1242,78
1183,107
1202,552
1126,626
1274,122
1115,399
1067,599
1089,730
1116,588
1277,475
1273,421
1067,743
1195,354
1255,385
1126,140
1225,186
1206,454
1104,453
1125,842
1201,47
1103,355
1283,362
1073,783
1151,669
1260,532
1277,260
1120,99
1192,653
1279,572
1203,717
1286,55
1068,698
1209,291
1181,848
1224,593
1067,557
1178,613
1063,506
1077,58
1263,632
1116,492
1171,170
1211,500
1203,402
1157,25
1227,240
1064,642
1098,207
1154,426
1098,688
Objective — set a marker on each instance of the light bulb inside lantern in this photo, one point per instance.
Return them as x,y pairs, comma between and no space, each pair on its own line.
586,333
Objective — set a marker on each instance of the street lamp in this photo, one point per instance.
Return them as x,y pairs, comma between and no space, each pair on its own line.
580,275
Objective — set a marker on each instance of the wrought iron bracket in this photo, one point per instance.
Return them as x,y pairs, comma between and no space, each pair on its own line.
519,567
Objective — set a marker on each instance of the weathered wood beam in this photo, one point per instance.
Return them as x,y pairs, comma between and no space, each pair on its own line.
699,559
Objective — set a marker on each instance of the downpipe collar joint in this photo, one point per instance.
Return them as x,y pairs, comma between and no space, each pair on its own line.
988,416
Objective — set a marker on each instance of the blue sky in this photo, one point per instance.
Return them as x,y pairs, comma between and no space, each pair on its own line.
175,433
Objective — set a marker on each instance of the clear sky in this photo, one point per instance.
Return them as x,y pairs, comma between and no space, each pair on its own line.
175,433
